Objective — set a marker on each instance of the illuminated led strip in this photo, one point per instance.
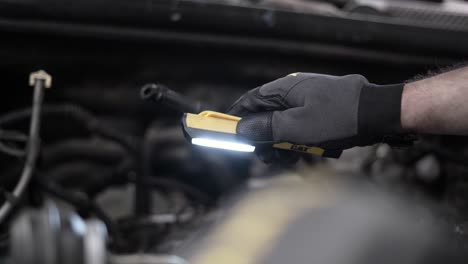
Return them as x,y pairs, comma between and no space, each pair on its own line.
211,143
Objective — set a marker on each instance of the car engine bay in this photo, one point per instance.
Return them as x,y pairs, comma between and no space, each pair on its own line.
113,179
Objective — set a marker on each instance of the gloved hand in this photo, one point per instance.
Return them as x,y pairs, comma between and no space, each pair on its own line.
330,112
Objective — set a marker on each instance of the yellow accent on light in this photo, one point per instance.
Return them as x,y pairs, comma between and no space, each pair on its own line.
212,122
300,148
219,115
294,74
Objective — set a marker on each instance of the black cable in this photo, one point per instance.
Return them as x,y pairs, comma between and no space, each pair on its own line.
101,151
32,149
77,113
12,136
11,150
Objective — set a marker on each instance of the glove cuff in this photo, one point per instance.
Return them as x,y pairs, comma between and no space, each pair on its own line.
379,111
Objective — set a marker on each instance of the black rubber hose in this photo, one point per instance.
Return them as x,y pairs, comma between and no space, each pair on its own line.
88,177
32,149
95,150
77,113
162,95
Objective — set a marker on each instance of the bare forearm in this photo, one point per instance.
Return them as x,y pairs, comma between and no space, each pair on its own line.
437,105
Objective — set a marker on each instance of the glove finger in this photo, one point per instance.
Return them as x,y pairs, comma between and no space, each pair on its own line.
273,96
270,155
256,127
290,125
254,102
300,125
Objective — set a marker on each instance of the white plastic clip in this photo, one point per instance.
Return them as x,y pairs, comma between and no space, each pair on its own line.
40,75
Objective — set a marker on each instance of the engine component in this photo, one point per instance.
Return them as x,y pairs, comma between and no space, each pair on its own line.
103,148
53,235
161,94
146,259
39,80
319,220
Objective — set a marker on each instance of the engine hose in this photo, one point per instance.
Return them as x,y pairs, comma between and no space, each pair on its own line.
32,151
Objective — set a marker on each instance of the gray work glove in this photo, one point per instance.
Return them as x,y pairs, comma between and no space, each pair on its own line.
330,112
